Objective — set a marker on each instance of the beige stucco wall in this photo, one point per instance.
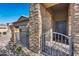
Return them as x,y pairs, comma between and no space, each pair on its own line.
3,28
13,32
49,18
16,30
62,15
46,19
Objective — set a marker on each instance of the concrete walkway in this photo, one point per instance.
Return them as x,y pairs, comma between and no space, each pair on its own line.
30,53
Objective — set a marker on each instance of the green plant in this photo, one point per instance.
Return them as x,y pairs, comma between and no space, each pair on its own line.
18,50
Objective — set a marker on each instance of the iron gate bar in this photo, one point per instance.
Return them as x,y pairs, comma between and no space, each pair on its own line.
60,44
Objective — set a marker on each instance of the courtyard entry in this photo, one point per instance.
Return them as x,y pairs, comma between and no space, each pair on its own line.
55,40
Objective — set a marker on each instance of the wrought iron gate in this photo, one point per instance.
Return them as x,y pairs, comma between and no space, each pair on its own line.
24,38
56,44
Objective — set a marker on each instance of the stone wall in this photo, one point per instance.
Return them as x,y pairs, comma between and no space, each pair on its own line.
34,27
74,16
73,28
40,22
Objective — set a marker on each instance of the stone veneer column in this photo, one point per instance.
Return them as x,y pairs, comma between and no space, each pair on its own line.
75,26
34,28
40,23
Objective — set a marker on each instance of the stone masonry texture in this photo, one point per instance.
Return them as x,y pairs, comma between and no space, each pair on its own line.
75,27
34,28
73,16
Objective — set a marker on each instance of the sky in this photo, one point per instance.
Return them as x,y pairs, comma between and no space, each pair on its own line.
10,12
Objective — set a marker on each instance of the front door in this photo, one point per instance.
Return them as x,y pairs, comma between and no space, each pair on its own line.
60,27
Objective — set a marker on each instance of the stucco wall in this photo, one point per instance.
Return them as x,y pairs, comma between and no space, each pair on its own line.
60,15
46,19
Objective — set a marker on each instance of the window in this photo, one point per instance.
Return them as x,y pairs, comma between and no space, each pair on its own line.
4,33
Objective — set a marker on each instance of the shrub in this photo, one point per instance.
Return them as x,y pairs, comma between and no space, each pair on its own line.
18,50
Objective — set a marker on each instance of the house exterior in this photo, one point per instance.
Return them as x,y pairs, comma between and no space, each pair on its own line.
15,36
4,30
54,19
20,31
5,35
